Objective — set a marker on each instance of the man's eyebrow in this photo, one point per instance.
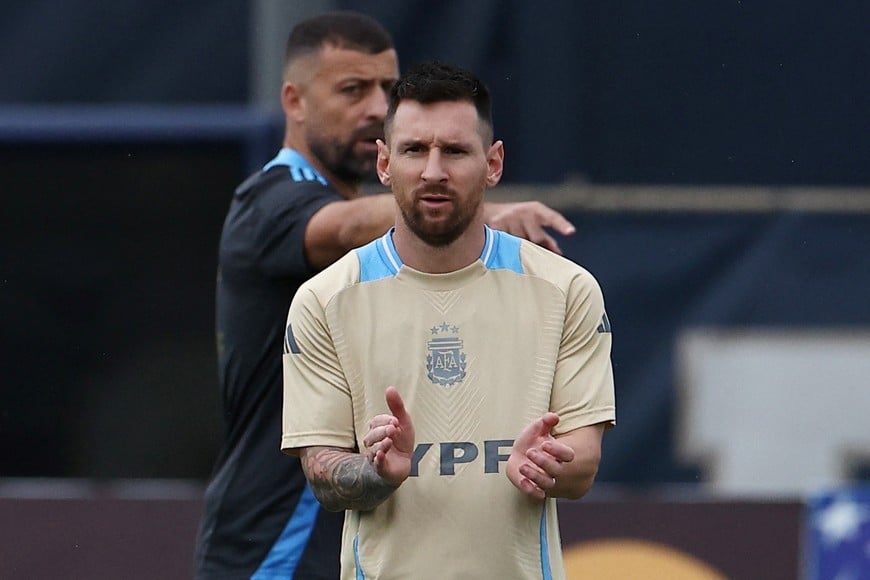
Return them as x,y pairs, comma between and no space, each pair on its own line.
409,141
456,144
359,80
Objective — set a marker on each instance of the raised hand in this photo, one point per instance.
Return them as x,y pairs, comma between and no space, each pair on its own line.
389,443
537,458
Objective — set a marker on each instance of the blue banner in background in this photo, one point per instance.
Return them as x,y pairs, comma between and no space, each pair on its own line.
838,535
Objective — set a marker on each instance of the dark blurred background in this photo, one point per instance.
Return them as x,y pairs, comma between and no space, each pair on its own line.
125,126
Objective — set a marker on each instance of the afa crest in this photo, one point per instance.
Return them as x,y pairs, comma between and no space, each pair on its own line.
445,361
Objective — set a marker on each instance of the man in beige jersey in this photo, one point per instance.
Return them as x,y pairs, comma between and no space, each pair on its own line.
447,382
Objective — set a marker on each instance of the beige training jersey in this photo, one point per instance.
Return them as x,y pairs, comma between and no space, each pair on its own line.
476,354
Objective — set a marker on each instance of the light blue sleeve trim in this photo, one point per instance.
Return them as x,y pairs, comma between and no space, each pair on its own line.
283,559
378,259
502,251
360,575
546,573
300,169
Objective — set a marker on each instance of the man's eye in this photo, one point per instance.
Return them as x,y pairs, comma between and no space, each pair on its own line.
351,89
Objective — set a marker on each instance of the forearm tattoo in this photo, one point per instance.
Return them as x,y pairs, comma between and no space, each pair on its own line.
344,480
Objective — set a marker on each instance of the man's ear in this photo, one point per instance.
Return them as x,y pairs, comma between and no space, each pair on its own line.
383,165
495,163
292,102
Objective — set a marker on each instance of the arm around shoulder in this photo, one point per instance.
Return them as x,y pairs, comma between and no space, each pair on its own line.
529,220
341,226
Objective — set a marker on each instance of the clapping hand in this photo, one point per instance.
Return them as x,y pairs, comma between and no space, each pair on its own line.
537,458
389,444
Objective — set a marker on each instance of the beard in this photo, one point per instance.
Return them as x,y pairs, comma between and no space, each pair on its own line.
443,232
339,157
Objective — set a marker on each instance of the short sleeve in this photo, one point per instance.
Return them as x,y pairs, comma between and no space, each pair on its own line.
317,408
583,390
281,240
265,227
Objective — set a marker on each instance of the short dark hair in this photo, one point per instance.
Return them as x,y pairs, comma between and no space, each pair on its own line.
434,82
341,29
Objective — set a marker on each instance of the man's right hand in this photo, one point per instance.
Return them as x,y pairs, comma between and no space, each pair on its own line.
529,220
389,444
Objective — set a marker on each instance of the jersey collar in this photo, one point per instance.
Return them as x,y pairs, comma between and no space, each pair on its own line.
394,262
293,159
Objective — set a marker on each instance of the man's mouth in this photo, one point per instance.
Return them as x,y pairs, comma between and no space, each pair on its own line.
434,200
366,139
367,145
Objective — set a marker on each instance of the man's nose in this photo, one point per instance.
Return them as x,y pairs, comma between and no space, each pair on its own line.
376,104
434,171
